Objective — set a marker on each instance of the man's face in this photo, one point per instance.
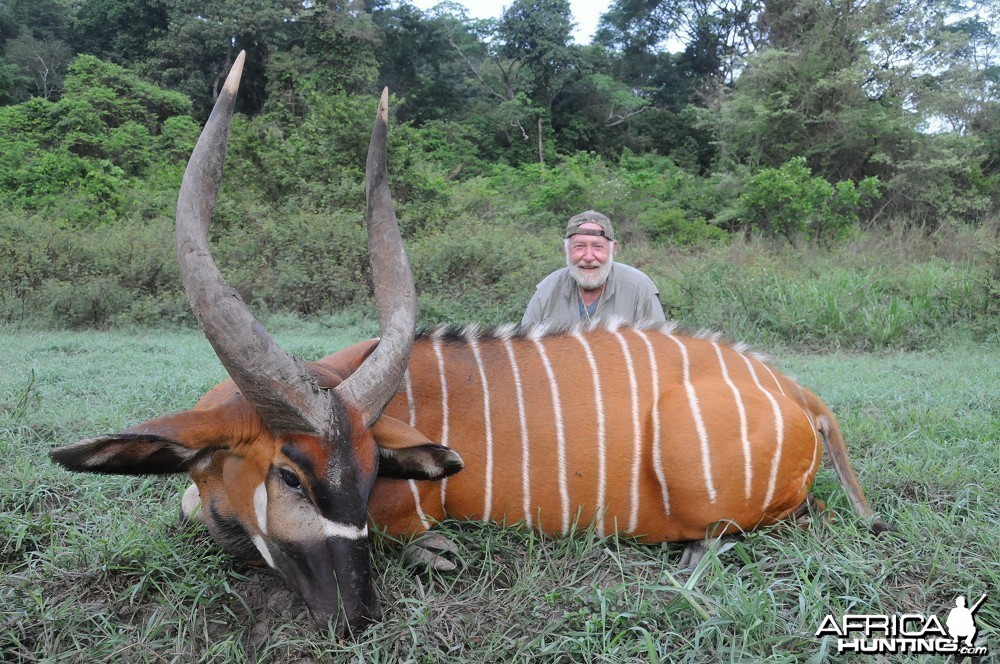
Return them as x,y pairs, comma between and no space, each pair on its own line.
589,258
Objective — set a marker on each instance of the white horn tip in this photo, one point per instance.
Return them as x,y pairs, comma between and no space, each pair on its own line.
233,80
383,106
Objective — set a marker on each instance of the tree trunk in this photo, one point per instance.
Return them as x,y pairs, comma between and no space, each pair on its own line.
541,149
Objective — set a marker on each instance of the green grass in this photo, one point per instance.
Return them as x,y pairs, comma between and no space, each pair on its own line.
97,568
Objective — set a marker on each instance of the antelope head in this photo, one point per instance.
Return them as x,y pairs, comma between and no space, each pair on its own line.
284,456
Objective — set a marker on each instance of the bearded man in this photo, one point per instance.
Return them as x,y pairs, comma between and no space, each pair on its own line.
592,287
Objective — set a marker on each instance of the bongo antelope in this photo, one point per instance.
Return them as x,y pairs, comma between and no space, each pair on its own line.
634,430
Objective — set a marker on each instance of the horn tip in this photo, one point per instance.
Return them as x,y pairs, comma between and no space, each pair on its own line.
233,80
383,106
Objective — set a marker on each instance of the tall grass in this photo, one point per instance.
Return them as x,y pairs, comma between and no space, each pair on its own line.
97,568
887,290
884,289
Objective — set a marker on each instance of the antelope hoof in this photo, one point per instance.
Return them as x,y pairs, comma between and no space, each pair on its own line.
436,542
695,550
879,526
426,551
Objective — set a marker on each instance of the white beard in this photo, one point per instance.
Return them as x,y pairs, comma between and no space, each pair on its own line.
587,279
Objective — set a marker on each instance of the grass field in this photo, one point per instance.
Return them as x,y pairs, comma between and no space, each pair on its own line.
98,569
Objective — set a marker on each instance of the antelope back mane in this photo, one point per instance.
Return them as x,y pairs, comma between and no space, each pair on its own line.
463,334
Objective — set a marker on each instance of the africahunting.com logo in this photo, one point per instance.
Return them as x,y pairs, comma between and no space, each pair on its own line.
908,633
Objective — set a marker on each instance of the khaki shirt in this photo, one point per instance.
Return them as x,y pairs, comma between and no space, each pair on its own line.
628,294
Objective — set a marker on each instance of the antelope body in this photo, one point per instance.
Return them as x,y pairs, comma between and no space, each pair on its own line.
636,430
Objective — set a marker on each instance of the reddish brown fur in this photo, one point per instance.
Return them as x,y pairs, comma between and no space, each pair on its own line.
692,513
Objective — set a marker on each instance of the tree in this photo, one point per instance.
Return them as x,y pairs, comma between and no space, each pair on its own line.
535,39
812,93
202,40
421,59
41,63
717,34
120,31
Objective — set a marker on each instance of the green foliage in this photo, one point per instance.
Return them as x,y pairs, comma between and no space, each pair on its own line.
944,180
804,150
117,96
789,202
875,290
303,263
479,272
62,277
81,154
120,31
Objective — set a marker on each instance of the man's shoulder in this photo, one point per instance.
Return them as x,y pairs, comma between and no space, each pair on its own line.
554,279
626,274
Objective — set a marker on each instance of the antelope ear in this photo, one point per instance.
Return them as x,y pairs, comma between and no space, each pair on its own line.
125,454
405,453
167,444
424,462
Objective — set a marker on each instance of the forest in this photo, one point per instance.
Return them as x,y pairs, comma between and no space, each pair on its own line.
724,138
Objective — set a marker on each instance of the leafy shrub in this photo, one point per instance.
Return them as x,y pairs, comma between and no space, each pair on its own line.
789,202
862,294
79,154
307,263
476,272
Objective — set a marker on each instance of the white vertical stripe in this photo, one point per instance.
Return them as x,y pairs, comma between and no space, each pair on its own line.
773,377
471,333
744,429
523,422
260,506
699,424
444,406
657,445
815,459
560,434
633,519
602,463
779,427
413,423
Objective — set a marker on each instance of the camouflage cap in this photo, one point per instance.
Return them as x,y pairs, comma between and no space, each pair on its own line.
590,217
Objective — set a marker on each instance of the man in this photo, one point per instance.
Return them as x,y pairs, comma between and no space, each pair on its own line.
592,286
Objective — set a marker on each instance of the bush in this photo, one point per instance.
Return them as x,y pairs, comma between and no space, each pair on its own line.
789,202
868,293
479,272
79,155
306,263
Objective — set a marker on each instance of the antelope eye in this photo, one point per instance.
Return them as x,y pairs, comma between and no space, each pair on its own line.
290,479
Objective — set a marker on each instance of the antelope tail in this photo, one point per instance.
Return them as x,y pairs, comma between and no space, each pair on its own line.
833,441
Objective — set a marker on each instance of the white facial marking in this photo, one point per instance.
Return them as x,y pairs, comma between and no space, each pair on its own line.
334,529
191,502
260,507
262,547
